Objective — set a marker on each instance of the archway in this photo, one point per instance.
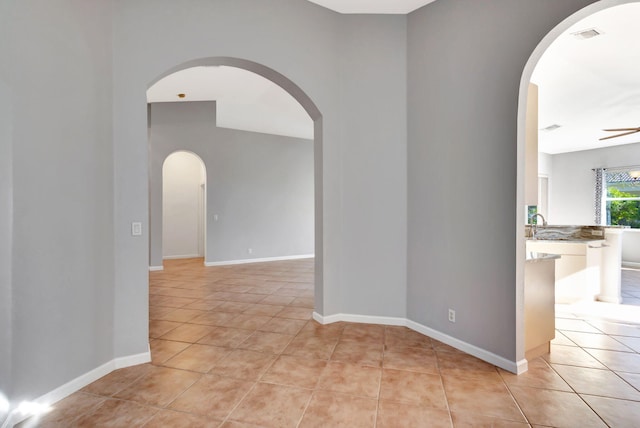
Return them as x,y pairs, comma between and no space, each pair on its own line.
529,68
309,106
183,206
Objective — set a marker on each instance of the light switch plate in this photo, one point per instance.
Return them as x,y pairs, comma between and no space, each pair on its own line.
136,229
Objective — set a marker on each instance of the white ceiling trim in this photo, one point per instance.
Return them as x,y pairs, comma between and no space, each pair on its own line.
392,7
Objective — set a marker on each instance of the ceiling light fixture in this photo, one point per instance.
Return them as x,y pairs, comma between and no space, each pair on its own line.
586,34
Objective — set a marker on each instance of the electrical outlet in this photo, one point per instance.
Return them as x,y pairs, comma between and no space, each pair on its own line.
136,229
452,315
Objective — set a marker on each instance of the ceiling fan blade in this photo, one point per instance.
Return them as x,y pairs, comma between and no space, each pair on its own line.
623,129
621,135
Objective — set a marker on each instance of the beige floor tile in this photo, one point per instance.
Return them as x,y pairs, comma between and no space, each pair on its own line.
616,328
470,420
351,379
158,328
170,418
405,415
214,396
65,412
561,339
190,333
410,387
264,341
198,358
480,397
630,342
328,409
272,406
295,313
604,383
572,356
215,318
329,331
363,333
564,324
618,361
116,414
225,337
539,375
596,341
260,309
294,371
181,315
277,300
464,365
162,350
632,379
233,307
402,337
555,408
422,360
117,380
311,347
364,354
616,413
283,325
159,387
247,321
244,364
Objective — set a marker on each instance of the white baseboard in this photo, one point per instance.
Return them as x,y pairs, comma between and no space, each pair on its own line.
182,256
266,259
517,367
155,268
78,383
632,265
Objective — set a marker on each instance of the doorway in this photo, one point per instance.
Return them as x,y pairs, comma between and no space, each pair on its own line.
183,206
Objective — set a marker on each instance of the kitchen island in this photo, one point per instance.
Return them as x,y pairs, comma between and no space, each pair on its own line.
539,303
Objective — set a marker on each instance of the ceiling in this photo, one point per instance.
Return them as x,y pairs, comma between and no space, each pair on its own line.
245,100
401,7
588,85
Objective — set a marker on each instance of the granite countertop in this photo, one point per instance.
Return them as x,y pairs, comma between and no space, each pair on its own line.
533,257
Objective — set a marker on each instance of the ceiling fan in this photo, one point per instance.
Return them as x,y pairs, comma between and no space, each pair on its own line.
625,131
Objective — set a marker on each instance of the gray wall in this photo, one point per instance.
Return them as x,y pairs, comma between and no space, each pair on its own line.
57,66
259,185
466,59
6,211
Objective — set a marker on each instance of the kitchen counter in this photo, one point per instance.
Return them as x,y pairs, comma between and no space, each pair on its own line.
539,303
534,257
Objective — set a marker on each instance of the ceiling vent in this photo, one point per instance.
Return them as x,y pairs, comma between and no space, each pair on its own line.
586,34
551,127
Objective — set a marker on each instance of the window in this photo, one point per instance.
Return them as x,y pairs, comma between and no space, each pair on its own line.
623,197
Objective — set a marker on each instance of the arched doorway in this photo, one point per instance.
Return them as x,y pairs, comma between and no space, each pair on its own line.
309,106
183,206
527,74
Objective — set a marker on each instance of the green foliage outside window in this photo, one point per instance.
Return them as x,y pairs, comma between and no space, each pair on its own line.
623,212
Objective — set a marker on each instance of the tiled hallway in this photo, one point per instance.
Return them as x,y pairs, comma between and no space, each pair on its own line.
236,347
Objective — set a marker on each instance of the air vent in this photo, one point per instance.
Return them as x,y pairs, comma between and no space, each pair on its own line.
586,34
551,127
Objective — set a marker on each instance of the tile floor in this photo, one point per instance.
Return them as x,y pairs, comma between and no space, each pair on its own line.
235,347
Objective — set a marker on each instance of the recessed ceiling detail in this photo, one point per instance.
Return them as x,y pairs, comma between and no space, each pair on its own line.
587,34
398,7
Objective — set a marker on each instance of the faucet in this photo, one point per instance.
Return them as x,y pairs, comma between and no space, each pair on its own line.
534,227
544,222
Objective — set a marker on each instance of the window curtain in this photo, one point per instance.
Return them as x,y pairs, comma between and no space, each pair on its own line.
599,192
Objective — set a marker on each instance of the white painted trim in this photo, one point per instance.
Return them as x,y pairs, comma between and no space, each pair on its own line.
155,268
80,382
266,259
517,367
632,265
182,256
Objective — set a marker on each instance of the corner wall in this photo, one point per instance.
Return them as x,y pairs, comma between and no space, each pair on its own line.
466,59
259,186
